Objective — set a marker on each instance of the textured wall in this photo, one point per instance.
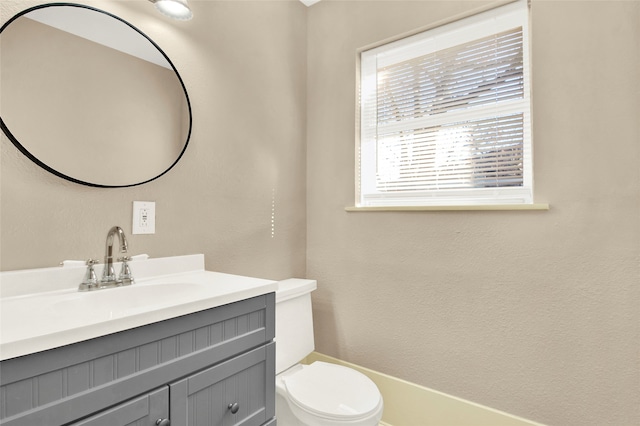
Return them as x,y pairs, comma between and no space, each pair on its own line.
533,313
244,66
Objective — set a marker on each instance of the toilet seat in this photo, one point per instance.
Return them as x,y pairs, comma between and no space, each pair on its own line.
333,392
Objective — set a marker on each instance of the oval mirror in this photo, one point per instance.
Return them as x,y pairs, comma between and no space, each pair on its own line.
89,97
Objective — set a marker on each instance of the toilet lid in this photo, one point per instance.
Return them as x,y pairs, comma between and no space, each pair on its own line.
333,391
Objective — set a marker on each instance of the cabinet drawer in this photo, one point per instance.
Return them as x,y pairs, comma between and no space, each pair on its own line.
141,411
236,392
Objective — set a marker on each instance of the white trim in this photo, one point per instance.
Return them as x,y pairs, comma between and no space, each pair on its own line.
486,207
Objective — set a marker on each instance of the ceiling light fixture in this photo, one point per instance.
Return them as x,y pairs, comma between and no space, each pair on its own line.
176,9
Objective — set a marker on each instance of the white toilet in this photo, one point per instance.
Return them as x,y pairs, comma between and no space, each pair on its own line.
320,394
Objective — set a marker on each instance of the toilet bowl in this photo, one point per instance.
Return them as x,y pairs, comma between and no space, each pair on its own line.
323,394
320,394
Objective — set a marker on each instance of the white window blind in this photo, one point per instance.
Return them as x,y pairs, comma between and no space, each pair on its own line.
445,115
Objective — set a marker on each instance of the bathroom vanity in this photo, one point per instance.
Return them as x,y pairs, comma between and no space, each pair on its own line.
202,356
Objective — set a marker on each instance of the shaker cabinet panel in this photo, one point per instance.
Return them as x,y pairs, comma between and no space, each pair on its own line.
142,411
235,392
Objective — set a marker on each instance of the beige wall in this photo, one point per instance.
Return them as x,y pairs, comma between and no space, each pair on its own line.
532,313
245,161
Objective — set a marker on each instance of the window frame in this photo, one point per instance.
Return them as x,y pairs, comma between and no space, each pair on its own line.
486,23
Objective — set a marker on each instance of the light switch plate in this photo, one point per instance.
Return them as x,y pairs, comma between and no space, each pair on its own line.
144,217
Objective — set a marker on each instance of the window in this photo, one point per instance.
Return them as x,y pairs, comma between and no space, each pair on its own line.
445,115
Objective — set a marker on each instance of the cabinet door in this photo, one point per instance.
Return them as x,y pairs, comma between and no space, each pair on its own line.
143,411
240,391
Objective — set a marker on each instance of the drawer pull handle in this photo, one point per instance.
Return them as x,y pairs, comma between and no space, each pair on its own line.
233,407
163,422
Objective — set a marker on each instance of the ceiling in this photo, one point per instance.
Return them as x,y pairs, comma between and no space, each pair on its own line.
309,2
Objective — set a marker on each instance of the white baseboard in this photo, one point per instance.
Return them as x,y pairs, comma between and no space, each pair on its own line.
409,404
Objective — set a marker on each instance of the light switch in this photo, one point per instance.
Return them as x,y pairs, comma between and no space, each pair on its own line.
144,217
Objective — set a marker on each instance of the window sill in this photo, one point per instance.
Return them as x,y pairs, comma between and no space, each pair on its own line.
536,206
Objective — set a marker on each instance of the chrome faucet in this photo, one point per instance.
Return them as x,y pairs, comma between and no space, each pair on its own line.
90,281
108,274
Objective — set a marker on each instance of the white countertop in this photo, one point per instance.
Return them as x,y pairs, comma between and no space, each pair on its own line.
41,320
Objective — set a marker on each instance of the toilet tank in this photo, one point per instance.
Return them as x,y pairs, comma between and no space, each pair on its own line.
294,322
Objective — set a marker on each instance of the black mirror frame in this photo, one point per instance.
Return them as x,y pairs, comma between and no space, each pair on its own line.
22,149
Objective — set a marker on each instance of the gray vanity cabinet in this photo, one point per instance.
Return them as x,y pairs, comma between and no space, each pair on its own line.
210,368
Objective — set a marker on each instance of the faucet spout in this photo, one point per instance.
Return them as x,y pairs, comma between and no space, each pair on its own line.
108,274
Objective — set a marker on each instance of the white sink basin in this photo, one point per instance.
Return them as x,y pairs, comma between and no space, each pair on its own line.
121,301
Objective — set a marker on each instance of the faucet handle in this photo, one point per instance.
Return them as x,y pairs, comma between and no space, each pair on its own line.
90,281
125,271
